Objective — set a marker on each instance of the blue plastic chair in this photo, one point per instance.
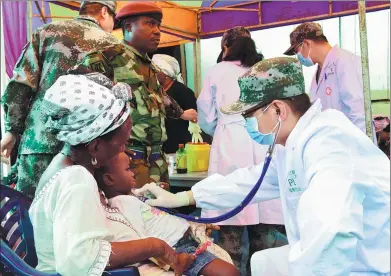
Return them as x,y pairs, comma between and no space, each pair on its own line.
18,255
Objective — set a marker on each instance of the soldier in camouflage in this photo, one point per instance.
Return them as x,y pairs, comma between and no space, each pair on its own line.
53,49
129,63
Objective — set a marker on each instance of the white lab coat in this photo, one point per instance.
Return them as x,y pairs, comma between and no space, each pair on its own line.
340,86
334,185
232,147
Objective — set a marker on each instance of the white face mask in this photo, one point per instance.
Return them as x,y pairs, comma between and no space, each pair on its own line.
306,61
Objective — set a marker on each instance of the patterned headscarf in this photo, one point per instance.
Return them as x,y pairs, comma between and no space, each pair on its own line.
84,107
169,66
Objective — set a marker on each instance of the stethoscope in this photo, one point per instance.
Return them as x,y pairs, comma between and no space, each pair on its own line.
244,203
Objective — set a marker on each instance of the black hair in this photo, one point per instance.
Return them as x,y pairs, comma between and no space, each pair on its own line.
242,49
299,104
387,128
94,9
220,57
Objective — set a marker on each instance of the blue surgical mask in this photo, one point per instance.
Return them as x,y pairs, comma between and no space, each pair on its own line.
306,61
256,135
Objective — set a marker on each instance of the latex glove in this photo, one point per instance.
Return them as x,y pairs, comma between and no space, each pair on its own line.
195,132
7,144
162,197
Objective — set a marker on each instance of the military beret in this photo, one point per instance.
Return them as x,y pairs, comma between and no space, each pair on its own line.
268,80
140,8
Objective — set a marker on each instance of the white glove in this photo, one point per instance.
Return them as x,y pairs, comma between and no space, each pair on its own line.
195,132
163,198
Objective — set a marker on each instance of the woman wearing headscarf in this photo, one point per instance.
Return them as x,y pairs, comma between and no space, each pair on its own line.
170,78
232,148
75,232
382,127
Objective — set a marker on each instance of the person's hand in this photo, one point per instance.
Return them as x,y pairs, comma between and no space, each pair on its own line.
183,263
168,257
7,144
190,115
209,228
162,197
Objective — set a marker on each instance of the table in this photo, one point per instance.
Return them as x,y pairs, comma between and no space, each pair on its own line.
185,180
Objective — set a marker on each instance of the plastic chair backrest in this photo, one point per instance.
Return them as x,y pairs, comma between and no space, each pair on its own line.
16,229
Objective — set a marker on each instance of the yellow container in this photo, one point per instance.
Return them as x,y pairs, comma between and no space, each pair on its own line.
197,157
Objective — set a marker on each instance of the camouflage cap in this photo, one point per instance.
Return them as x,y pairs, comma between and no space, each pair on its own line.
111,5
306,30
233,33
268,80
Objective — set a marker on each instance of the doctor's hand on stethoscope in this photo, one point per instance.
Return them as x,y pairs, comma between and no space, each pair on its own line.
160,197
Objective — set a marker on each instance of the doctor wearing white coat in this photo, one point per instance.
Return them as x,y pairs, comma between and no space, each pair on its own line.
232,148
334,183
338,79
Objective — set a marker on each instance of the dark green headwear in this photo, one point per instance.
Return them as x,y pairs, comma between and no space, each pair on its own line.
268,80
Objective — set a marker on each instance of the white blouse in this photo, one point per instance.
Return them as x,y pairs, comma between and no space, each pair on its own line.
73,230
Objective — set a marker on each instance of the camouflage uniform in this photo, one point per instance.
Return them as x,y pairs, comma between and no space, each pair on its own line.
54,49
123,63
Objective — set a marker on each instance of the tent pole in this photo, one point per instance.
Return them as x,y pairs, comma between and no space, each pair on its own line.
183,62
40,12
29,20
197,67
365,69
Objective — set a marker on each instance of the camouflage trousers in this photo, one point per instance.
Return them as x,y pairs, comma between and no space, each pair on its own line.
156,171
260,236
30,168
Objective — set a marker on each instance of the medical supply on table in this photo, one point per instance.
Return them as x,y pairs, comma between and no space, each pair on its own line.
171,164
195,132
197,157
181,159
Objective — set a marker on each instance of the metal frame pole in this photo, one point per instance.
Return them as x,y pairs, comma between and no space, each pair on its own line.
365,69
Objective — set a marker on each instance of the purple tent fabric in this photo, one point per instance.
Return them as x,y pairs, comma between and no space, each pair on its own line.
270,14
15,31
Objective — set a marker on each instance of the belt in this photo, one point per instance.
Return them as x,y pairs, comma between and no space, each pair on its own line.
147,153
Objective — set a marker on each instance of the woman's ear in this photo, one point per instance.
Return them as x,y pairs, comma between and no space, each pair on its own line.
94,147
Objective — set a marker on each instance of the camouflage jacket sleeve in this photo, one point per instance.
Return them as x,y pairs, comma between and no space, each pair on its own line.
173,110
22,87
99,61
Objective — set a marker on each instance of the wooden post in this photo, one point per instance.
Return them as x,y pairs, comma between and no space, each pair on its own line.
183,63
197,67
365,69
